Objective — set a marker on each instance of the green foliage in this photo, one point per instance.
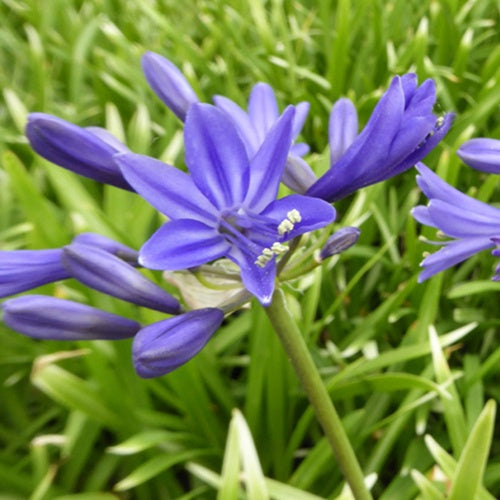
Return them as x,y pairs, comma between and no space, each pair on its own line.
410,367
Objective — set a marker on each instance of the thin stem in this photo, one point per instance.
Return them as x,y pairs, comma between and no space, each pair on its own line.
306,370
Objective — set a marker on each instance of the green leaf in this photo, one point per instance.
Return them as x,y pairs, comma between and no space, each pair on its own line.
470,469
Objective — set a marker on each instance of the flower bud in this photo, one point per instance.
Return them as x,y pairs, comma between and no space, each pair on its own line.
50,318
342,128
168,83
22,270
162,347
103,271
124,252
88,152
482,154
340,241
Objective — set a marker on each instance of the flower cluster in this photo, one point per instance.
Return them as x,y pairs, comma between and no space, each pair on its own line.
473,225
226,207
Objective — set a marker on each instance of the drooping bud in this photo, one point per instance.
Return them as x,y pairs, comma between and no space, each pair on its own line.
50,318
103,271
168,83
84,151
22,270
340,241
162,347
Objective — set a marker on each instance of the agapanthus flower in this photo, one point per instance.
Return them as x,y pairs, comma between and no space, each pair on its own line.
400,132
171,86
227,207
482,154
473,225
85,151
340,241
164,346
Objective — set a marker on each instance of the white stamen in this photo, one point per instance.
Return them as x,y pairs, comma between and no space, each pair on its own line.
267,252
285,226
278,248
294,216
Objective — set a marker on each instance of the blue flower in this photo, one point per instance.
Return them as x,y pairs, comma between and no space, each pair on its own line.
252,125
481,154
227,207
162,347
85,151
50,318
340,241
473,225
401,131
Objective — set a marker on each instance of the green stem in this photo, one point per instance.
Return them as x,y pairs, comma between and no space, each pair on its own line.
306,370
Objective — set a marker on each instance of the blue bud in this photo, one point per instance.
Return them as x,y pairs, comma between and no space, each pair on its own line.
50,318
168,83
162,347
96,240
340,241
103,271
22,270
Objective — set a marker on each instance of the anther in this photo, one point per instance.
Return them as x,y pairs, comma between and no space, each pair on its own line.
278,248
294,216
285,226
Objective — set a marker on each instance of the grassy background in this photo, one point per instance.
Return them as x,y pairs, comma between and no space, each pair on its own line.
75,421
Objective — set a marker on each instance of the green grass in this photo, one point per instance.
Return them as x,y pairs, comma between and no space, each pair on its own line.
410,367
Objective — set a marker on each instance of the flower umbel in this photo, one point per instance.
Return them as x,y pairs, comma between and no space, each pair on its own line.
227,207
473,225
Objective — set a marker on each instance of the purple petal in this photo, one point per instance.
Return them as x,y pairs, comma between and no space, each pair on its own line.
482,154
43,317
216,156
435,187
242,122
168,83
342,128
22,270
314,213
451,254
298,175
169,190
267,165
299,149
107,137
259,281
75,148
301,110
164,346
103,271
262,109
181,244
340,241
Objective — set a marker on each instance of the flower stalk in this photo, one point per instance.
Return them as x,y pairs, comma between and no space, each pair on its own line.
327,416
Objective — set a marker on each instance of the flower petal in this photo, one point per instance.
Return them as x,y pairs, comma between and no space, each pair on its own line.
482,154
182,244
168,83
75,148
50,318
298,175
314,213
266,167
169,190
262,109
259,281
452,253
103,271
114,247
164,346
216,156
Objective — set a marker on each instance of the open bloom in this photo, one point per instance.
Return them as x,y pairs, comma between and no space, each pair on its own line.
482,154
171,86
227,207
472,224
400,132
